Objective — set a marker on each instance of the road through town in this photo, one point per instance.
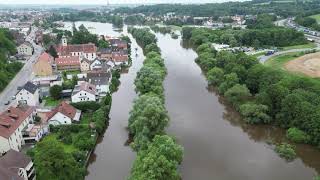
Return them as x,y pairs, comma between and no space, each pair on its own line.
24,75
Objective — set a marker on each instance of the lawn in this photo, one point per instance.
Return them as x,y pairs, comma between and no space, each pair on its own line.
303,46
67,148
316,17
86,118
279,61
49,101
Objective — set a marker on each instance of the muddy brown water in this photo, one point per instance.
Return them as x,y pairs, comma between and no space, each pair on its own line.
217,143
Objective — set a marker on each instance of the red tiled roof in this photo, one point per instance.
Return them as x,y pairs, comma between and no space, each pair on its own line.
45,57
119,58
66,50
65,109
11,119
68,61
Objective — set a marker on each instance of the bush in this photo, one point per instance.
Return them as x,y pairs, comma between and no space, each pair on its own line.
86,106
286,151
55,92
297,136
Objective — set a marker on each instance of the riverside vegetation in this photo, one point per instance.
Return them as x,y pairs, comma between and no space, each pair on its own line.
261,94
158,155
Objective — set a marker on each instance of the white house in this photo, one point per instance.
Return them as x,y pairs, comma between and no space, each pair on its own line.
12,123
95,64
101,79
85,65
15,165
29,94
84,92
25,48
64,113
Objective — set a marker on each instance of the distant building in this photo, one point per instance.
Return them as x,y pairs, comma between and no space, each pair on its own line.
105,53
84,92
28,94
88,51
16,166
25,48
43,67
120,57
12,122
118,44
64,113
68,63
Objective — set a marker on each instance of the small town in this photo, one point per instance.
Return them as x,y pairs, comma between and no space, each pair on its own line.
159,90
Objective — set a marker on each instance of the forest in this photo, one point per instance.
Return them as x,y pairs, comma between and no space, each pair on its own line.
7,48
263,95
282,8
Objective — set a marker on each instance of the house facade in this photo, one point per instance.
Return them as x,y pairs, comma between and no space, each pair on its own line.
29,94
101,79
85,65
88,51
68,63
84,92
64,113
12,123
15,165
25,48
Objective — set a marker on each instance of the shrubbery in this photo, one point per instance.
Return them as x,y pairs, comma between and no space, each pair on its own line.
286,151
297,135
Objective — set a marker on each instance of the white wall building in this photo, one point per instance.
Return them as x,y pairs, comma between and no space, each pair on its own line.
64,113
29,94
25,49
12,123
84,92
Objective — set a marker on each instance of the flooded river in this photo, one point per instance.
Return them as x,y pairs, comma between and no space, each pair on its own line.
218,144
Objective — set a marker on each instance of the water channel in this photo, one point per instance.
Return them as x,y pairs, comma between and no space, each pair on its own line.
217,143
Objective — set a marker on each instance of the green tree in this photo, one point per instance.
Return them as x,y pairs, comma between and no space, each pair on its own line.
229,81
55,91
215,76
53,163
286,151
255,113
237,94
297,136
159,161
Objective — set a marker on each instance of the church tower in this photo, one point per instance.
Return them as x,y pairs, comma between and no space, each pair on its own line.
64,40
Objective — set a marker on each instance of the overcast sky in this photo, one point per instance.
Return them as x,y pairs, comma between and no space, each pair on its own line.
105,1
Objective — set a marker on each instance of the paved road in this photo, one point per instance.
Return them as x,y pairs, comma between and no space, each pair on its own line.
263,59
22,77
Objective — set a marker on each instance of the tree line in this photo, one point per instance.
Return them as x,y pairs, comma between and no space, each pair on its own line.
7,48
266,37
264,95
282,8
158,155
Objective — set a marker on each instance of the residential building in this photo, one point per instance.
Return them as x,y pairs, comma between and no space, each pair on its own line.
12,122
88,51
68,63
15,165
85,65
64,113
120,58
101,79
28,94
84,91
34,132
118,44
25,48
44,65
105,53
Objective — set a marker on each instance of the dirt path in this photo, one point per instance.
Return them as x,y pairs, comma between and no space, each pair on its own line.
308,64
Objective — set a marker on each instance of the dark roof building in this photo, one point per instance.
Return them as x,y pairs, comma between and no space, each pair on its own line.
16,165
30,87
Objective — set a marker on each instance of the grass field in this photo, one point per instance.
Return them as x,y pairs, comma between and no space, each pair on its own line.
279,61
316,17
303,46
49,101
